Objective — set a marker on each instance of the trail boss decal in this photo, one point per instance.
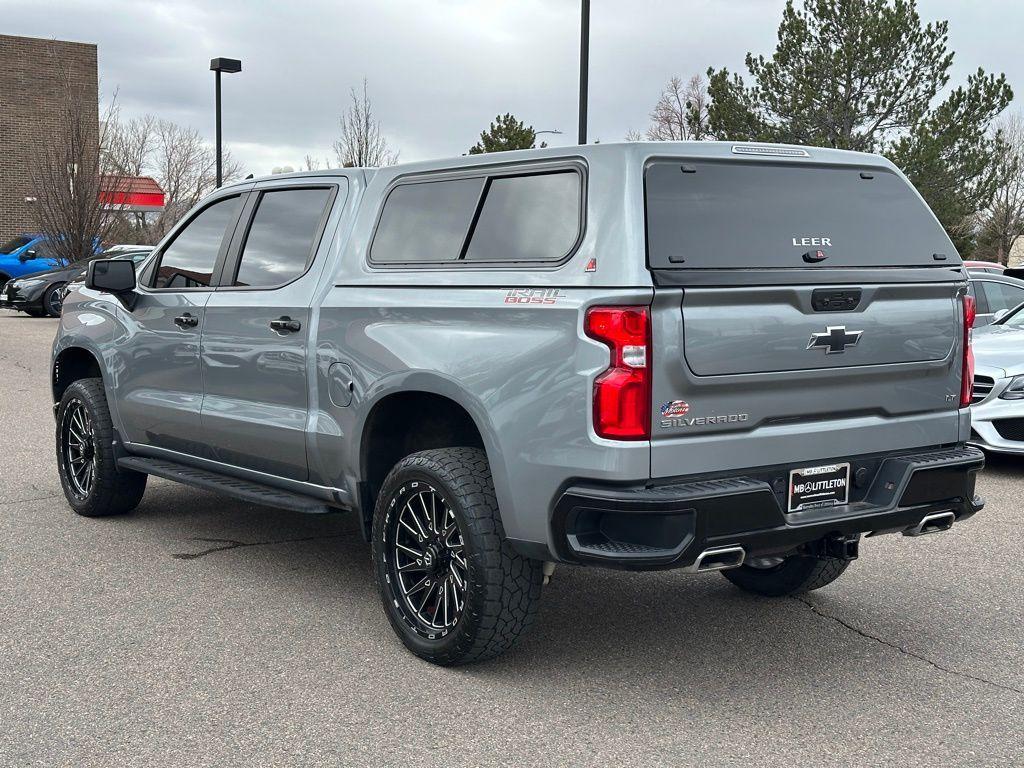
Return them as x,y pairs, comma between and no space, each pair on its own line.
533,295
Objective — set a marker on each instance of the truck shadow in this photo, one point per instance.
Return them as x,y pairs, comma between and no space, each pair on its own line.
661,635
1004,465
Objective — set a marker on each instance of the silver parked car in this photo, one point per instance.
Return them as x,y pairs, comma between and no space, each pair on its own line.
995,294
997,413
703,356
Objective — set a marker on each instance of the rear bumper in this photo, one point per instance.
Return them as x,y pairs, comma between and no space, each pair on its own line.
668,526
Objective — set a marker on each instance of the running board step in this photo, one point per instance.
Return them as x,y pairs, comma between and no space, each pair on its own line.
246,490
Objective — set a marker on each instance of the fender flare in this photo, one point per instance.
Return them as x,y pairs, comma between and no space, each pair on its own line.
433,383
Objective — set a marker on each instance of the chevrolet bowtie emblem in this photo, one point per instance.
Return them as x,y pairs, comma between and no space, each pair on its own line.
835,339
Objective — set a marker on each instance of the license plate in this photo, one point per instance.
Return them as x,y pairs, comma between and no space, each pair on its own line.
824,486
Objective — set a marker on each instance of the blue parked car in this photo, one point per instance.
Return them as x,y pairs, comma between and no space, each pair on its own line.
25,255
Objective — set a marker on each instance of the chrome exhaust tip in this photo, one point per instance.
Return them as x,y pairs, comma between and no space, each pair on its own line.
933,523
718,559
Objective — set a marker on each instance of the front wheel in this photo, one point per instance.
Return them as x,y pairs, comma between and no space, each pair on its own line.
53,299
92,483
784,576
452,587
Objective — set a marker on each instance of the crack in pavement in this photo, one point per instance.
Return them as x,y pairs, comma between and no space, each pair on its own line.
227,544
34,498
905,651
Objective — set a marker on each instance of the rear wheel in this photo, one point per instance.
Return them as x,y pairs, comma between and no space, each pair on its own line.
783,576
452,587
53,299
92,483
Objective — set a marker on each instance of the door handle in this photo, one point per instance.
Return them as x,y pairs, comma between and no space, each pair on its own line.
285,325
186,321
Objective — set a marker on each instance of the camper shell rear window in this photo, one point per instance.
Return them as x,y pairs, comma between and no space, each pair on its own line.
713,214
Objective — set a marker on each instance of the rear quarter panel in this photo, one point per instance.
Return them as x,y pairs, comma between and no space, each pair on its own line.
523,372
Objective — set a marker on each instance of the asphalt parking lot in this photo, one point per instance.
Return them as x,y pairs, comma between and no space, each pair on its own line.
204,631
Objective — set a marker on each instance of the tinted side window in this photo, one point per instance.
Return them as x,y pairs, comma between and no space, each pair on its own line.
528,218
189,260
45,251
14,244
281,238
1001,296
1013,295
427,221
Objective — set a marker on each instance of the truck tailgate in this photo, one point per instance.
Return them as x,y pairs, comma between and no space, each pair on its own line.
752,376
768,329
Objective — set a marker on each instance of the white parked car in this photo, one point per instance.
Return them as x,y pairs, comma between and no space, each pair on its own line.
997,410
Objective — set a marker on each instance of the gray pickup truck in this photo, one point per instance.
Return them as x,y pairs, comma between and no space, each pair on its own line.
704,356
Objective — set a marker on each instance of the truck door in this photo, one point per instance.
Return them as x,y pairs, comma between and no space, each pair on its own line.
156,369
257,330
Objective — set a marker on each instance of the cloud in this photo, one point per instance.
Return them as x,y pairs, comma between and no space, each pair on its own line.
438,71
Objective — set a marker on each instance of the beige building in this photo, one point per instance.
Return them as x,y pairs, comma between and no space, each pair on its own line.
1017,253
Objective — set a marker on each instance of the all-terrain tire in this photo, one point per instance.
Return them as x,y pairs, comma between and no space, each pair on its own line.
112,491
503,587
793,576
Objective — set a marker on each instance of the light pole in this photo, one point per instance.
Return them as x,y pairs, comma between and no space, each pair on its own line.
217,66
584,68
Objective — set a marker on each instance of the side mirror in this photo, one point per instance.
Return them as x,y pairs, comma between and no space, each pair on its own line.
1000,315
113,276
27,255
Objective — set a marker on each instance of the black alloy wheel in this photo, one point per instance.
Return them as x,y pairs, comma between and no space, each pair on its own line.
426,559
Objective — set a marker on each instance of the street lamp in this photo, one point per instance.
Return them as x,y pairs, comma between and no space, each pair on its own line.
538,133
217,66
584,68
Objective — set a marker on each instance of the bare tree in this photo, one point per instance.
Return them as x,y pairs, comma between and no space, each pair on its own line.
1003,221
66,171
183,164
311,163
186,167
361,144
681,113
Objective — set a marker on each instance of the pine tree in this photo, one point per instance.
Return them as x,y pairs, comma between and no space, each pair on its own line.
866,75
504,134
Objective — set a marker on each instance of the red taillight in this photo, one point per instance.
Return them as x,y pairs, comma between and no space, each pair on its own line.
967,371
622,393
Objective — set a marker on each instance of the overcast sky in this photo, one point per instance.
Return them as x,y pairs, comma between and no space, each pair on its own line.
438,70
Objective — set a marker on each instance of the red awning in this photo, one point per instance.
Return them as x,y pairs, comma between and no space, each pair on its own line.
137,194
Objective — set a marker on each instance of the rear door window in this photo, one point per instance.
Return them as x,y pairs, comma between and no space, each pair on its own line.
282,237
732,214
189,260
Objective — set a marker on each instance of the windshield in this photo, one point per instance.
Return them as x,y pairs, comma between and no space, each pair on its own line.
15,243
707,214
